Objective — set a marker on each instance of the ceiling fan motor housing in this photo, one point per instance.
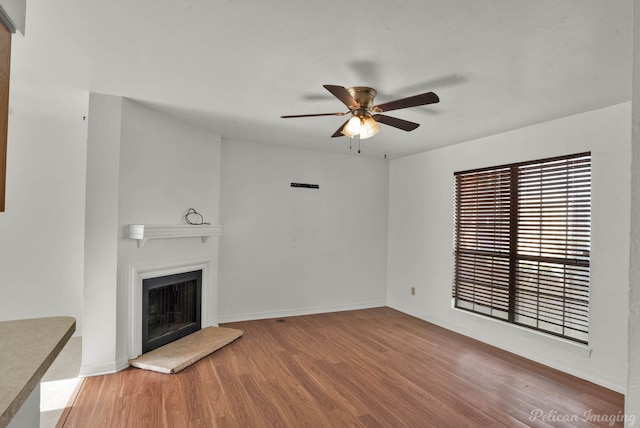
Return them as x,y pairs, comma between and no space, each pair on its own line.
363,96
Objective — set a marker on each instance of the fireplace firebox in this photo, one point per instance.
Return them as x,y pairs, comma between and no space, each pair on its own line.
171,308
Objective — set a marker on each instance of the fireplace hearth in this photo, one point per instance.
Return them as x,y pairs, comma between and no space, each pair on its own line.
171,308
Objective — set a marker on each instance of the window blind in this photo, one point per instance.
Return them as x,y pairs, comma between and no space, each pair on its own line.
522,244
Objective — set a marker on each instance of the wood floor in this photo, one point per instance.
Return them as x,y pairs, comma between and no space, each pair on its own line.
367,368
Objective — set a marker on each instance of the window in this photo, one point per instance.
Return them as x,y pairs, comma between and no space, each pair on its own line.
522,244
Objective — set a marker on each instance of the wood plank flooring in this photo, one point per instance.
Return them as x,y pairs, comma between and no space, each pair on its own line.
367,368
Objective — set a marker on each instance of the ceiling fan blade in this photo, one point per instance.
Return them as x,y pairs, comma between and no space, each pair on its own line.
414,101
405,125
341,93
339,133
312,115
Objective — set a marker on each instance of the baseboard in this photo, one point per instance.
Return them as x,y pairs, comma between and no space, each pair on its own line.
122,364
410,311
98,369
298,311
591,377
105,368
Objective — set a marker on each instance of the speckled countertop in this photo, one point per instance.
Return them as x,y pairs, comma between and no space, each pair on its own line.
27,349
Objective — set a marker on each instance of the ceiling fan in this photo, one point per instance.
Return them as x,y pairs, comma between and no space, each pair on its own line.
365,116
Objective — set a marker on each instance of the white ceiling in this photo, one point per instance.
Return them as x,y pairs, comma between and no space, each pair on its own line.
235,66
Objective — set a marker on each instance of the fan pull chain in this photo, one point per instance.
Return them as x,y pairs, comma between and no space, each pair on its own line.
351,142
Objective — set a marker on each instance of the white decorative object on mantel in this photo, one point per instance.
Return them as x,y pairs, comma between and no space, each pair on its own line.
143,232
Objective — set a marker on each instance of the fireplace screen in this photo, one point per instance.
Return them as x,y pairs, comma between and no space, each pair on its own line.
171,308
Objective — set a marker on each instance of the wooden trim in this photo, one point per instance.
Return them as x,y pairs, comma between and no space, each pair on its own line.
5,67
513,242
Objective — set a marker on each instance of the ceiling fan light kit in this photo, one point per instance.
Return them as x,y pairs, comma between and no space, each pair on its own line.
365,116
363,126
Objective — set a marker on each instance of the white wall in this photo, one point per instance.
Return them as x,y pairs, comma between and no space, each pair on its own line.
287,251
42,229
632,399
152,168
421,238
101,232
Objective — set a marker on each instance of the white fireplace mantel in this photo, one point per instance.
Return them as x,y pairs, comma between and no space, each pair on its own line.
143,232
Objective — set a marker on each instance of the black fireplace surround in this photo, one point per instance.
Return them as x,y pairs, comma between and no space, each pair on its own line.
171,308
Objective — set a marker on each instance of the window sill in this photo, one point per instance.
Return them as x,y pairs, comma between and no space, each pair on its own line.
538,336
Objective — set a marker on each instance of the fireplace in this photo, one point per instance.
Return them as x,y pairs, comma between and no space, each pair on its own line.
171,308
160,267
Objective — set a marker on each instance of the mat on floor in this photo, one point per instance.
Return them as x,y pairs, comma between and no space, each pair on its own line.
175,356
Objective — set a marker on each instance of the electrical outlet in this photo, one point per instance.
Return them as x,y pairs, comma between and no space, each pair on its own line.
413,291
